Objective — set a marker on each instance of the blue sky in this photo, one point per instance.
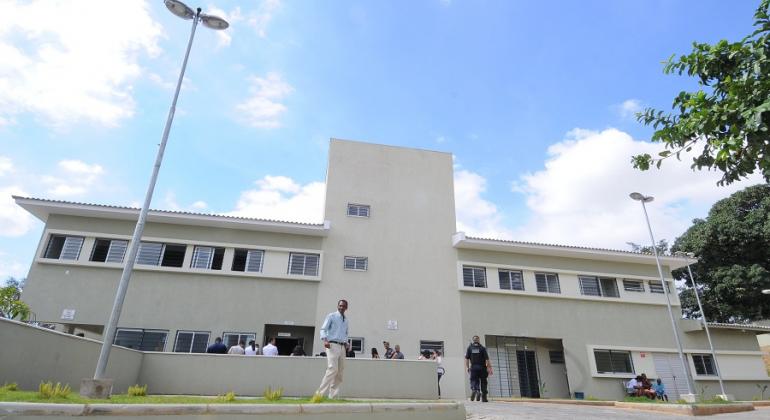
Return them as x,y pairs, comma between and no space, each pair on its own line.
534,99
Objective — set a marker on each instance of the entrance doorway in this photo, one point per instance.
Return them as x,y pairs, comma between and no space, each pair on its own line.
289,336
526,361
286,345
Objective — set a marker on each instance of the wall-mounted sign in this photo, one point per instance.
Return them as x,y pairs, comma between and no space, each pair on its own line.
68,314
288,322
392,324
283,334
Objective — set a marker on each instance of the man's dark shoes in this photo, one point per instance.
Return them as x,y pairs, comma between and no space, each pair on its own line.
474,394
484,398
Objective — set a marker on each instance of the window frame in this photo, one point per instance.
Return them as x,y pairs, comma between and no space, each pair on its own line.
250,252
610,352
358,210
61,251
162,254
628,288
700,362
660,287
556,357
355,260
548,284
238,335
432,345
475,283
141,342
305,270
601,286
510,282
215,253
362,347
110,249
192,341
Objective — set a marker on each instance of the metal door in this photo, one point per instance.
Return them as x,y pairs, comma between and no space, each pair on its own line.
671,373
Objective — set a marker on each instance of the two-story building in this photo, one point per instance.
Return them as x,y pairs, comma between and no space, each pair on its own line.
557,320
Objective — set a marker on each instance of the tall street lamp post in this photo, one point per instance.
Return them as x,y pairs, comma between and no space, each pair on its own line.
646,199
100,386
688,256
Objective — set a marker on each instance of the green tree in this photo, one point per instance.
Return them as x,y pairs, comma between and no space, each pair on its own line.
729,115
733,249
11,305
662,247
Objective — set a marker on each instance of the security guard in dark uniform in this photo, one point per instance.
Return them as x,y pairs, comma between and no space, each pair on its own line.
478,366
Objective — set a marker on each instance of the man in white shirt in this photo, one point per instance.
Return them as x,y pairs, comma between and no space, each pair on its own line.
239,349
270,349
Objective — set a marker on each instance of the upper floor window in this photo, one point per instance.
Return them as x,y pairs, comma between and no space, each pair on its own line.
598,286
547,282
191,341
304,264
63,247
207,257
358,210
704,364
474,276
166,255
249,260
356,263
510,280
656,286
613,361
109,250
633,285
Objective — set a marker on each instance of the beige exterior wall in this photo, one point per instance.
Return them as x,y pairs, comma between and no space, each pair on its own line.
407,239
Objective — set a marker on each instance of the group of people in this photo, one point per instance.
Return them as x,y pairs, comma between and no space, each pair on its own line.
218,347
643,387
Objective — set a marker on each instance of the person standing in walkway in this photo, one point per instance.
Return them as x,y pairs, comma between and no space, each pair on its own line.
270,349
334,334
238,349
478,366
217,347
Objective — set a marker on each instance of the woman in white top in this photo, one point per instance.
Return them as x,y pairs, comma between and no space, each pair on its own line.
252,349
436,355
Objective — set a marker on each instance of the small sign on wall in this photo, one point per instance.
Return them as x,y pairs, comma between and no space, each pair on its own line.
68,314
392,324
642,355
284,334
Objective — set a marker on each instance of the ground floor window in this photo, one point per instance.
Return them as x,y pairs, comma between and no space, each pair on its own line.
431,345
704,364
191,341
233,338
556,356
140,339
613,361
356,344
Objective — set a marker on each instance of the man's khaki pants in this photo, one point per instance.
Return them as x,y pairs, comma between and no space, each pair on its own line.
335,358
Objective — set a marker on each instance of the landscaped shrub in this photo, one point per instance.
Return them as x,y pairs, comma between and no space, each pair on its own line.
13,386
49,390
229,397
137,391
271,394
316,398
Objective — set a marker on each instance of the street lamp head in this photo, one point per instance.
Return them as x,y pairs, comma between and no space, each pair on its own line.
641,197
180,9
766,292
214,22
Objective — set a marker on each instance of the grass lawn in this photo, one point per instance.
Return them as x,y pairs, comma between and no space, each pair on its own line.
74,398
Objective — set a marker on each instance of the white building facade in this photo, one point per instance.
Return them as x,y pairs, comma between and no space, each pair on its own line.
558,321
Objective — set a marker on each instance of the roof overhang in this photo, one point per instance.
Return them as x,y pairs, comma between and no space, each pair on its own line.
460,241
42,209
753,328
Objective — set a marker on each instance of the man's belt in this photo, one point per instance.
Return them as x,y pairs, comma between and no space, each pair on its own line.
337,342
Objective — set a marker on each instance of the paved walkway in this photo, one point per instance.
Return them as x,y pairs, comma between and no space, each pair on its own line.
501,411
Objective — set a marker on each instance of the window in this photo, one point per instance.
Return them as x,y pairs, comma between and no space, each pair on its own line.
474,276
356,344
139,339
613,361
633,285
233,338
250,260
547,282
61,247
356,263
598,286
303,264
556,356
166,255
191,342
656,286
510,280
704,364
358,210
207,257
432,345
109,250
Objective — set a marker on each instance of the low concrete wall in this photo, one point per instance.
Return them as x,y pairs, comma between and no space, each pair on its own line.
206,374
31,355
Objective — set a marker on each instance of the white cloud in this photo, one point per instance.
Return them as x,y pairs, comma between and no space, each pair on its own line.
476,216
629,108
581,196
262,109
71,61
74,178
14,221
260,19
9,267
6,165
199,205
281,198
170,203
225,37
